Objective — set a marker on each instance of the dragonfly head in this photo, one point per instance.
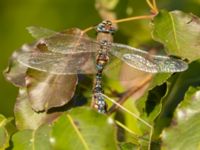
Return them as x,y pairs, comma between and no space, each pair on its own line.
105,27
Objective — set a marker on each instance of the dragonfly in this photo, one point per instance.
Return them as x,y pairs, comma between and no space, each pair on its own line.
71,54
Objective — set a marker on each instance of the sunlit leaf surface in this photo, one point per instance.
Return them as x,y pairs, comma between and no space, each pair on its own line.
88,128
32,139
179,32
184,132
4,135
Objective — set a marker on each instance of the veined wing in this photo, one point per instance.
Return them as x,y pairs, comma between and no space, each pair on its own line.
69,44
55,63
66,42
40,32
144,61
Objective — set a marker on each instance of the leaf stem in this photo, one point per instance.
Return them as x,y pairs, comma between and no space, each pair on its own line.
153,6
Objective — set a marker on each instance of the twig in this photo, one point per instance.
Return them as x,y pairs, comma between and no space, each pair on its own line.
87,29
133,18
128,94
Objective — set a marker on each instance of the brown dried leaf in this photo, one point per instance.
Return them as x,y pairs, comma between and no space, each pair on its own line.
48,90
16,72
45,90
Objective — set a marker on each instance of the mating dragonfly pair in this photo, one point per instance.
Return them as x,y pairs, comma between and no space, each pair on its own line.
72,54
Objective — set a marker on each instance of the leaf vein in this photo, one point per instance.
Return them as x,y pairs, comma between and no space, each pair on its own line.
78,132
33,139
174,32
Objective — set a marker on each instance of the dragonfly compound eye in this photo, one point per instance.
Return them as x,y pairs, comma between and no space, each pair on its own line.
105,27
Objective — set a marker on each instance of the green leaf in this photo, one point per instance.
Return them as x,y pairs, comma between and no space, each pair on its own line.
83,128
157,80
4,133
153,103
184,132
179,32
128,146
176,87
32,139
26,117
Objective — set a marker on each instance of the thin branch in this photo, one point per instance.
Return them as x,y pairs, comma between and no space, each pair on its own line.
122,20
87,29
129,93
133,18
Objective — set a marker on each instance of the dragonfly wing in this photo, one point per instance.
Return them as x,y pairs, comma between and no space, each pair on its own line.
69,44
144,61
55,63
40,32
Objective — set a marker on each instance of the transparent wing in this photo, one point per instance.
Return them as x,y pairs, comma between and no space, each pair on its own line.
40,32
144,61
68,44
55,63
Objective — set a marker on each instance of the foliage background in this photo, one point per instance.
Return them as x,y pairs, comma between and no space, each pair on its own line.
16,15
62,14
